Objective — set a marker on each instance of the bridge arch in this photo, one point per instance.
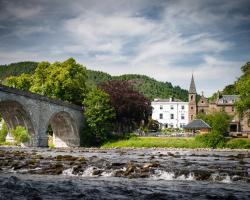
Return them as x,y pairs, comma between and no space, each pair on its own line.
36,112
14,114
65,131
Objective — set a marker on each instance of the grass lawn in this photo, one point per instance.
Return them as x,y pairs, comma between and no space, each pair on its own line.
156,142
238,143
173,142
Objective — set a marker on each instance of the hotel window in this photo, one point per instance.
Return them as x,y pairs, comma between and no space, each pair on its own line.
192,107
171,116
182,117
161,116
182,107
232,108
161,107
171,107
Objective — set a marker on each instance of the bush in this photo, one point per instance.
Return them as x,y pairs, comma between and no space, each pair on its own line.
212,140
153,125
50,141
20,134
238,143
3,132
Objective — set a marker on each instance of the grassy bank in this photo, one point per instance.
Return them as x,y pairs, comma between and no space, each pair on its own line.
167,142
156,142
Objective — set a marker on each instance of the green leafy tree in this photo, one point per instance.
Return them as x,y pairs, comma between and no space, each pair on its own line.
40,78
65,80
22,82
243,87
20,134
219,122
99,116
230,90
3,132
62,80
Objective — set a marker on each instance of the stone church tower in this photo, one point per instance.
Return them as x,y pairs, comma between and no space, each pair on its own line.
192,106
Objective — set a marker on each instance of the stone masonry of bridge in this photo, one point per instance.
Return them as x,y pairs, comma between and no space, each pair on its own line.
36,113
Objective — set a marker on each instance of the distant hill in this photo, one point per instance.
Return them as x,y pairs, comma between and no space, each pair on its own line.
15,69
150,87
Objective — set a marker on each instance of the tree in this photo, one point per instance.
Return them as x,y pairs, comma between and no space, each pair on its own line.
16,69
40,77
65,81
3,132
131,107
22,82
62,80
243,87
99,116
218,121
230,90
20,134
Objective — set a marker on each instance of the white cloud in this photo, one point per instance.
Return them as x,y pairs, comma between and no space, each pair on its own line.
165,41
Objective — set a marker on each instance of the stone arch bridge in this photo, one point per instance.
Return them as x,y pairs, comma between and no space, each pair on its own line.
36,113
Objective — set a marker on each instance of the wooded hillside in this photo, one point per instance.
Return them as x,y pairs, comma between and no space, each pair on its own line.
150,87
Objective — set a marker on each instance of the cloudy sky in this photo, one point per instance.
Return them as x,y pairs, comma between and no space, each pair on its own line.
164,39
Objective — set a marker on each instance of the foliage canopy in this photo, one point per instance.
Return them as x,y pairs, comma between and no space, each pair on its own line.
63,80
132,108
99,115
219,122
3,132
243,87
20,134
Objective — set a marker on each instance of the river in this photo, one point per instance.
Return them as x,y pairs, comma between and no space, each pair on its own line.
80,173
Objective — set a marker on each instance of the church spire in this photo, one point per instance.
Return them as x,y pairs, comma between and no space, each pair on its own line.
192,89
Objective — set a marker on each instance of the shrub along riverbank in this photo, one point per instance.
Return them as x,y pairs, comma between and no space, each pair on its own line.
167,142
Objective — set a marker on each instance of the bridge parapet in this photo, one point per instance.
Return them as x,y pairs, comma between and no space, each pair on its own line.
32,95
37,112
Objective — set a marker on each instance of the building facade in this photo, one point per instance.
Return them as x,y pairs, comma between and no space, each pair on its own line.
170,113
221,103
174,113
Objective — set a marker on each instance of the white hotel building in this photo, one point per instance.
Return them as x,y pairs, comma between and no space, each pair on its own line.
170,113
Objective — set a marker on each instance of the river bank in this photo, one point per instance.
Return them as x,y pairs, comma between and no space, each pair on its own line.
178,142
123,173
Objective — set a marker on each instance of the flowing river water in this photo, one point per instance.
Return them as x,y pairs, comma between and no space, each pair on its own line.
79,173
